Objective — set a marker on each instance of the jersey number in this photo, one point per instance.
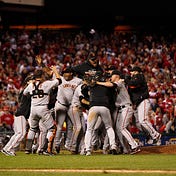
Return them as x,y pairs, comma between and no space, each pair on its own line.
38,93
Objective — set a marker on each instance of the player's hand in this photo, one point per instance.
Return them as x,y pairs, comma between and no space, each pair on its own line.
38,59
53,67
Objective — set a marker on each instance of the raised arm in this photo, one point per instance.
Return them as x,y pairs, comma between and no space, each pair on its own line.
39,62
107,83
54,69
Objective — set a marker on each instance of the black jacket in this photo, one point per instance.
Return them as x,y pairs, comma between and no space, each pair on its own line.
137,88
102,96
80,69
24,105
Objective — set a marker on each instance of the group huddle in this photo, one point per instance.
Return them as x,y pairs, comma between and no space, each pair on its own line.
107,97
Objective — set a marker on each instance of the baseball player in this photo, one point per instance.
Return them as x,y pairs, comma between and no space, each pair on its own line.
99,131
92,63
63,101
76,115
40,140
20,121
123,113
99,106
39,91
139,94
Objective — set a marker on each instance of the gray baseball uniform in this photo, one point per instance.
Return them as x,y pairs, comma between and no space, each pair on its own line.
76,115
124,106
64,98
125,112
20,122
99,106
139,94
39,109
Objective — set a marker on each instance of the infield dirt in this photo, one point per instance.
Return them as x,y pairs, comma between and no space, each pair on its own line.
167,149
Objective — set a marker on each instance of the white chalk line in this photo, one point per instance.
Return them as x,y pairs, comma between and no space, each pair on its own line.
90,171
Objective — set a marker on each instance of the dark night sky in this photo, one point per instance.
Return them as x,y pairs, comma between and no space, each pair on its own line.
94,7
99,13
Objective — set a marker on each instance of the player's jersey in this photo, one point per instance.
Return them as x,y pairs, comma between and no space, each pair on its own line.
24,105
75,99
123,97
40,91
99,96
138,89
66,90
84,67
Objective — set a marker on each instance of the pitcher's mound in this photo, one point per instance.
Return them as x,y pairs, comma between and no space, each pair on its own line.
167,149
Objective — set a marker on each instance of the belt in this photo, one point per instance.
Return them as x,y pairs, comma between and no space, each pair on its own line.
63,104
123,106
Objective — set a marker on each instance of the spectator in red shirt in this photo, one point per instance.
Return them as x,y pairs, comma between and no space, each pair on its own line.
7,118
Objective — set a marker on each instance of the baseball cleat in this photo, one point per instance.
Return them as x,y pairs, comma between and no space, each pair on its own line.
67,147
57,148
83,151
48,153
11,153
40,152
157,140
135,150
88,153
8,153
27,151
34,151
149,141
113,152
4,152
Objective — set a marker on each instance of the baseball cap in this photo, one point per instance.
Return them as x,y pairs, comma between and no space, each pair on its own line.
67,70
136,68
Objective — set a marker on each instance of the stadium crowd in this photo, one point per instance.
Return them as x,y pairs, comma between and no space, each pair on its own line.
154,53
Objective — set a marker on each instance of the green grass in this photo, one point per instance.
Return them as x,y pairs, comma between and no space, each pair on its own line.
67,161
102,162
